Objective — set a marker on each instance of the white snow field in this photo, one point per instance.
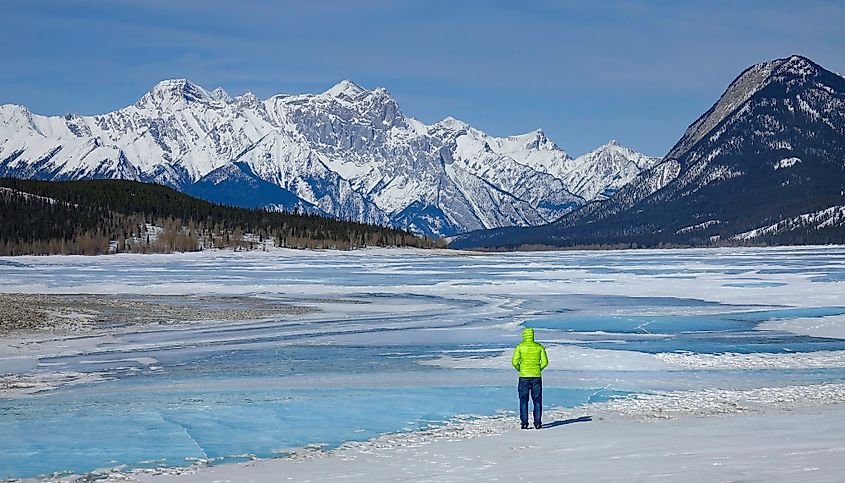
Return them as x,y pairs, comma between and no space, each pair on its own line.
791,446
682,365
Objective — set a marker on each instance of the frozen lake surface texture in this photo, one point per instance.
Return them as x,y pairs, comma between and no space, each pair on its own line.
395,341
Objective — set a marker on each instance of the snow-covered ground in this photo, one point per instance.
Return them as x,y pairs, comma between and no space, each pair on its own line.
804,445
814,327
395,365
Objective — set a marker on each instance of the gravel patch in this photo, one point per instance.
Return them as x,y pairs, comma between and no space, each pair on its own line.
22,313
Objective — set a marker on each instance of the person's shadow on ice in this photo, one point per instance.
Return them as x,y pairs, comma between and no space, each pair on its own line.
582,419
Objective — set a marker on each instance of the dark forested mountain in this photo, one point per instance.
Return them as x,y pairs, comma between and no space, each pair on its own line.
765,165
107,216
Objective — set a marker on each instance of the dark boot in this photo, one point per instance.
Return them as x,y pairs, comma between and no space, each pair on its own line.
524,426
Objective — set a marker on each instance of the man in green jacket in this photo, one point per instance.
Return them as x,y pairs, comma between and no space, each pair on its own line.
529,358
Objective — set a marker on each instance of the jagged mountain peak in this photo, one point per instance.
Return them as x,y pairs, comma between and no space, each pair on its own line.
11,115
351,94
797,64
788,70
348,152
176,92
535,139
750,81
170,84
765,164
247,98
611,146
614,147
604,170
450,123
346,88
221,95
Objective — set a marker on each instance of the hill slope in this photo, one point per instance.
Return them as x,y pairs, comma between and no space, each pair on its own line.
765,165
107,216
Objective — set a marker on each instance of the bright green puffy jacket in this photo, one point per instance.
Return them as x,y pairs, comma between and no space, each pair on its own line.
529,357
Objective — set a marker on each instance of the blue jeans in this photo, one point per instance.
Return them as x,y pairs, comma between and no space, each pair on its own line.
534,387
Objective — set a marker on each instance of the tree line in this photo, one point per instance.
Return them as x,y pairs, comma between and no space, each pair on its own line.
92,217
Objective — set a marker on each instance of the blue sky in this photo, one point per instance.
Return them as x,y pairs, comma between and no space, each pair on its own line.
585,72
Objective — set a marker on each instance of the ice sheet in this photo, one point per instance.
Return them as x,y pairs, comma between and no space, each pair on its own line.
437,326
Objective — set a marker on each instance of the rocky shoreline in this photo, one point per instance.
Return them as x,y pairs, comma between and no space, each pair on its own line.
28,320
26,313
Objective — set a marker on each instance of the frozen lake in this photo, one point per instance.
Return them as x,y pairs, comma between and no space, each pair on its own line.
397,340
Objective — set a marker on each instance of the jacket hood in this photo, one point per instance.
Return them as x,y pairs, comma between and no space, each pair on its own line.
528,335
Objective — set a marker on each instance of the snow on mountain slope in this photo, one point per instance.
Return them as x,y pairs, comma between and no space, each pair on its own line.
740,90
347,152
832,217
765,164
722,167
477,155
601,172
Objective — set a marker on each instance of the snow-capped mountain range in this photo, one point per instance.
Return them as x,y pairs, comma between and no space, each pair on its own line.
766,164
348,152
